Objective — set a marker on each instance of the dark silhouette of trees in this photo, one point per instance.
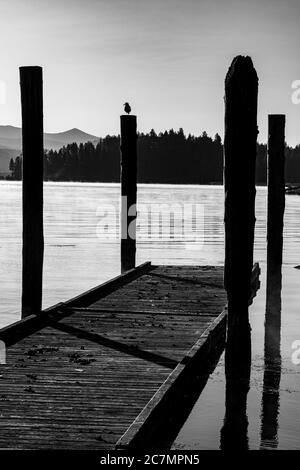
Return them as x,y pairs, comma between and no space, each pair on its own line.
12,165
167,157
292,167
171,157
292,164
15,167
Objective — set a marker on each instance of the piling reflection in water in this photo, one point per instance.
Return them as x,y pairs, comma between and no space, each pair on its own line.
272,366
234,433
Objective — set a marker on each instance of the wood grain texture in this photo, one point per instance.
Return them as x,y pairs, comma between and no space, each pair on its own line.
81,379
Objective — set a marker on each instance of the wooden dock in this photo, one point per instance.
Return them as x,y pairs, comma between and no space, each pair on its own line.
119,366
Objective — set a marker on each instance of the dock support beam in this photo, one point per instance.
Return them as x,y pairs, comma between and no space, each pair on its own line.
31,83
128,191
241,87
276,205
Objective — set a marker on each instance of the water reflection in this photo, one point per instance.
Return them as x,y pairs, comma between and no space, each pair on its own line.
234,433
272,364
273,410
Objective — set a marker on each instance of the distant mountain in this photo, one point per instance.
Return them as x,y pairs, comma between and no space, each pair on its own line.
11,142
56,141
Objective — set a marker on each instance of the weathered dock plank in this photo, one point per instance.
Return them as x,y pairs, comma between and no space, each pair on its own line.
78,375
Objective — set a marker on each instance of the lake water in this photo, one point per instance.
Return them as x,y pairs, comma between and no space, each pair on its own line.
81,252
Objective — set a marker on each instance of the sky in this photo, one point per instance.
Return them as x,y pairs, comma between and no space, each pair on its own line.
167,58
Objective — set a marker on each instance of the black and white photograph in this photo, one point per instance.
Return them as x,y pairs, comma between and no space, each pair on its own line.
149,230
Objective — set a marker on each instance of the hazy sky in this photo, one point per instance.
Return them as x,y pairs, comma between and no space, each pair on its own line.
168,58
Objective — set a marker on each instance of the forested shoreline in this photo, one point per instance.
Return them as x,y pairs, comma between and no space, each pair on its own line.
169,157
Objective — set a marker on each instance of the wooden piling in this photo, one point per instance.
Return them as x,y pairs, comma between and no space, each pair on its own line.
276,204
128,191
31,83
270,403
241,87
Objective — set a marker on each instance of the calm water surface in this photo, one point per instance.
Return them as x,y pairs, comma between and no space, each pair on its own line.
78,256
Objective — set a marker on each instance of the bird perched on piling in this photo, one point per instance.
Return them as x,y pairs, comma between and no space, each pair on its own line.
127,108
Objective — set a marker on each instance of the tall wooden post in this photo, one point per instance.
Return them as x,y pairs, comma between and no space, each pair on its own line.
276,204
241,87
128,191
33,155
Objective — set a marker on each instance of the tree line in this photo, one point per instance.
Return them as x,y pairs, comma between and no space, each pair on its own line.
168,157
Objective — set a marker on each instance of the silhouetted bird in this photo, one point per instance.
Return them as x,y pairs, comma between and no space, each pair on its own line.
127,108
